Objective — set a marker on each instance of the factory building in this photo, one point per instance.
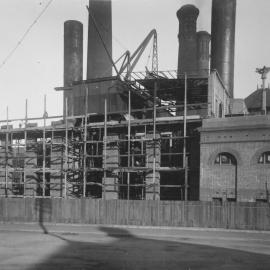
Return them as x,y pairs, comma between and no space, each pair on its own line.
235,159
151,135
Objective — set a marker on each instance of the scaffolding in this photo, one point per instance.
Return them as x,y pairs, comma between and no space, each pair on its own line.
148,154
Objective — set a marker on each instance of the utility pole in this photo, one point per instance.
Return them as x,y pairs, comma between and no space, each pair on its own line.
263,71
185,160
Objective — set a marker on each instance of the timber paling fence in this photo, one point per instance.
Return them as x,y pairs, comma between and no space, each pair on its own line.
229,215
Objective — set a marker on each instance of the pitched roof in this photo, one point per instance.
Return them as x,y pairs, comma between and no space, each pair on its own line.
254,100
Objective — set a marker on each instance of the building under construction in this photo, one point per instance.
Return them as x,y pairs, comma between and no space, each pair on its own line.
135,135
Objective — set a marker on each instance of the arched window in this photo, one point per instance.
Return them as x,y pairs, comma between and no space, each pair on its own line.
264,158
225,159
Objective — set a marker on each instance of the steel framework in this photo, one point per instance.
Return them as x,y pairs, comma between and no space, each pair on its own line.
79,156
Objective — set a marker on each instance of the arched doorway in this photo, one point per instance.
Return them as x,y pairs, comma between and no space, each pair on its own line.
228,167
220,110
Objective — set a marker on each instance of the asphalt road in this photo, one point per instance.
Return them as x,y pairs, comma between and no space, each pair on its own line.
34,247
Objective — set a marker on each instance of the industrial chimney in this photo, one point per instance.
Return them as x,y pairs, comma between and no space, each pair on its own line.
73,59
203,56
223,40
187,60
98,61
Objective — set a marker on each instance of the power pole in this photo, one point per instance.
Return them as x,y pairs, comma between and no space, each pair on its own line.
263,71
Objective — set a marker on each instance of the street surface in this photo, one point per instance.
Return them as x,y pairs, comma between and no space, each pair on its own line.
62,246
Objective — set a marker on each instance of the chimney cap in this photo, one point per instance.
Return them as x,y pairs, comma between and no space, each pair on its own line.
188,10
72,22
204,34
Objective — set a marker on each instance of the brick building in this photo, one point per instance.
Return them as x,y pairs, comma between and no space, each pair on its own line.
235,159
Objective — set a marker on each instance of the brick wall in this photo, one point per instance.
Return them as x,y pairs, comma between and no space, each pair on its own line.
246,139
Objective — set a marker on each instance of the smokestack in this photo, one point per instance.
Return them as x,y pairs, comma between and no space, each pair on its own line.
73,58
98,62
223,40
187,60
203,56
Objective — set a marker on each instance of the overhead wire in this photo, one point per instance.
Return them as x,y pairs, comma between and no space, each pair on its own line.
25,34
101,25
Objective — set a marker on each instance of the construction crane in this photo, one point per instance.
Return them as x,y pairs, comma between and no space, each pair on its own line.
130,62
134,58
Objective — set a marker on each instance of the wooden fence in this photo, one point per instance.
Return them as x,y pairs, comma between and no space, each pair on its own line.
231,215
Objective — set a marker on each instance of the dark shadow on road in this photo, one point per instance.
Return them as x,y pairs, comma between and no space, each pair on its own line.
116,232
111,248
43,206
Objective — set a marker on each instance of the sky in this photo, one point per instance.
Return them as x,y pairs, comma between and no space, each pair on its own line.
36,67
